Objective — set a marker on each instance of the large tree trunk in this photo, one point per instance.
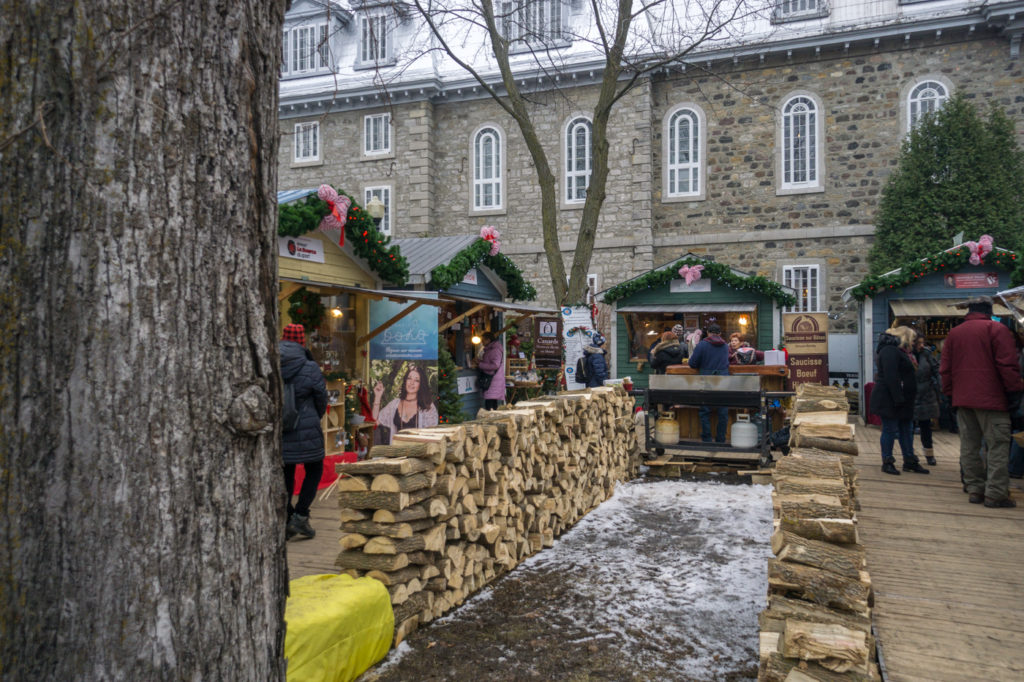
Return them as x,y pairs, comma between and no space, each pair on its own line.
142,498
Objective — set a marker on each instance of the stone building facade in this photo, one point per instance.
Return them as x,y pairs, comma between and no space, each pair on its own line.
857,79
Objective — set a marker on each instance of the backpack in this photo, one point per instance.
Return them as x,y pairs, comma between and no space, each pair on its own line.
290,411
581,370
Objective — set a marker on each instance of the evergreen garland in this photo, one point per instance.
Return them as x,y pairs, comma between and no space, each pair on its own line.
449,405
722,274
446,276
946,261
299,217
306,309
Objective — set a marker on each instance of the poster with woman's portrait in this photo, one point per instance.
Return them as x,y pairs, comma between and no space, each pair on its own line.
403,369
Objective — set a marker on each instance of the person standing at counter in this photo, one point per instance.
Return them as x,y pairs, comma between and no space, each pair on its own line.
493,362
667,352
926,403
711,356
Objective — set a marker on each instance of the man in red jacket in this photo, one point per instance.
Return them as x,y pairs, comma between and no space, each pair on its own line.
979,373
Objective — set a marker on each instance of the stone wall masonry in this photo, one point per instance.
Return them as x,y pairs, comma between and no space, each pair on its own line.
442,512
408,170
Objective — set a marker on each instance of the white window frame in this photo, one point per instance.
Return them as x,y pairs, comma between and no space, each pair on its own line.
487,176
806,280
571,159
532,23
695,148
384,193
376,34
307,143
800,142
306,49
798,10
918,106
377,135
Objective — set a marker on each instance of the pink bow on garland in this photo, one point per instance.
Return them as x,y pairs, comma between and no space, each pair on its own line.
691,273
490,234
979,249
335,220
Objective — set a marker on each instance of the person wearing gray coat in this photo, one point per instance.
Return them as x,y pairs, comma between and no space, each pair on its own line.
926,403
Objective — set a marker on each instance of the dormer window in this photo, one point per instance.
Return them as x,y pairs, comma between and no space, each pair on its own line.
532,23
375,37
798,10
306,50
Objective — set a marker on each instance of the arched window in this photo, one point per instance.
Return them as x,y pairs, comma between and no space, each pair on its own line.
799,142
683,168
925,97
578,159
487,192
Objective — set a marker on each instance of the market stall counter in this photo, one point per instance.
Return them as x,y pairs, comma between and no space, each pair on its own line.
772,381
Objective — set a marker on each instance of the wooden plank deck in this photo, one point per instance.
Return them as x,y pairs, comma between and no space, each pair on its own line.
316,556
948,576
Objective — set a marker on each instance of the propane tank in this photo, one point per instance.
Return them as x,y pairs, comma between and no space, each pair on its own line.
744,433
666,430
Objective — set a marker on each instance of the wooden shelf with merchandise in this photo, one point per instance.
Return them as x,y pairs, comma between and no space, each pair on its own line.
333,421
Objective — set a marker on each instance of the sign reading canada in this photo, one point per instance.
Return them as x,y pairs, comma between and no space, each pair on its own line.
547,342
807,342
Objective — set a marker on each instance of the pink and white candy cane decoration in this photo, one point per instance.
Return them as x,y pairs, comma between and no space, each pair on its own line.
691,273
490,233
335,219
979,249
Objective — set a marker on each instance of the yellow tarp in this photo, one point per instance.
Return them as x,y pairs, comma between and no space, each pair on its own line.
338,626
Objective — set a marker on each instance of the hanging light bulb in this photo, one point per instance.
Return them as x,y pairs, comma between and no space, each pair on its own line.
476,337
336,312
743,321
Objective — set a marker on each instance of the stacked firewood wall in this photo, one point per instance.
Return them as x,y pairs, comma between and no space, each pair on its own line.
818,622
441,512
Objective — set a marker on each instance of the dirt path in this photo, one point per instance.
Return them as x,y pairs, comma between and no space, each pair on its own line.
662,582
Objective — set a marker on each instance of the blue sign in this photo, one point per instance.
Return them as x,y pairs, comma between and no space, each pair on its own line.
414,337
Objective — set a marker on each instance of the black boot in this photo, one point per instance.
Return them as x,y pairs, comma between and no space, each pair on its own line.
915,468
299,525
889,467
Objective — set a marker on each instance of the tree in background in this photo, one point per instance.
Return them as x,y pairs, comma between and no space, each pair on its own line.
448,403
520,64
957,173
142,505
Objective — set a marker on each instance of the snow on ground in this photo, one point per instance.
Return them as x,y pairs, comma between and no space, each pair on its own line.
668,575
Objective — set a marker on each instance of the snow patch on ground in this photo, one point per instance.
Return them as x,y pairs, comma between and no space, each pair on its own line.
665,579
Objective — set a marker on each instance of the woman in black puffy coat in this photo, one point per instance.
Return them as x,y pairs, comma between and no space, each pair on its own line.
305,444
893,398
668,352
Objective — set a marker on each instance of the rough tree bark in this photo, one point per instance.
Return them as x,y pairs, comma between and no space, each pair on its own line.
142,499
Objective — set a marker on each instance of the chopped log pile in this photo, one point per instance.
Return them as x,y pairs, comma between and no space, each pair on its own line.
818,622
821,419
441,512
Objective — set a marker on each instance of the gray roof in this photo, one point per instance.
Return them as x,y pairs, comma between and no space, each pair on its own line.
289,195
425,253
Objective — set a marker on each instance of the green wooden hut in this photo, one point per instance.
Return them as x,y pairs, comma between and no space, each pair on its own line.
648,304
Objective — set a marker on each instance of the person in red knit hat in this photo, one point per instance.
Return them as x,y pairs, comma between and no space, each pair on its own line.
305,443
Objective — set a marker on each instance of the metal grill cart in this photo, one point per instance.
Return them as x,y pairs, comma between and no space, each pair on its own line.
741,392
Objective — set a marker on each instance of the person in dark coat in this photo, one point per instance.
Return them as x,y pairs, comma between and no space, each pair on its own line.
893,398
305,444
667,352
926,404
711,356
596,361
979,372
